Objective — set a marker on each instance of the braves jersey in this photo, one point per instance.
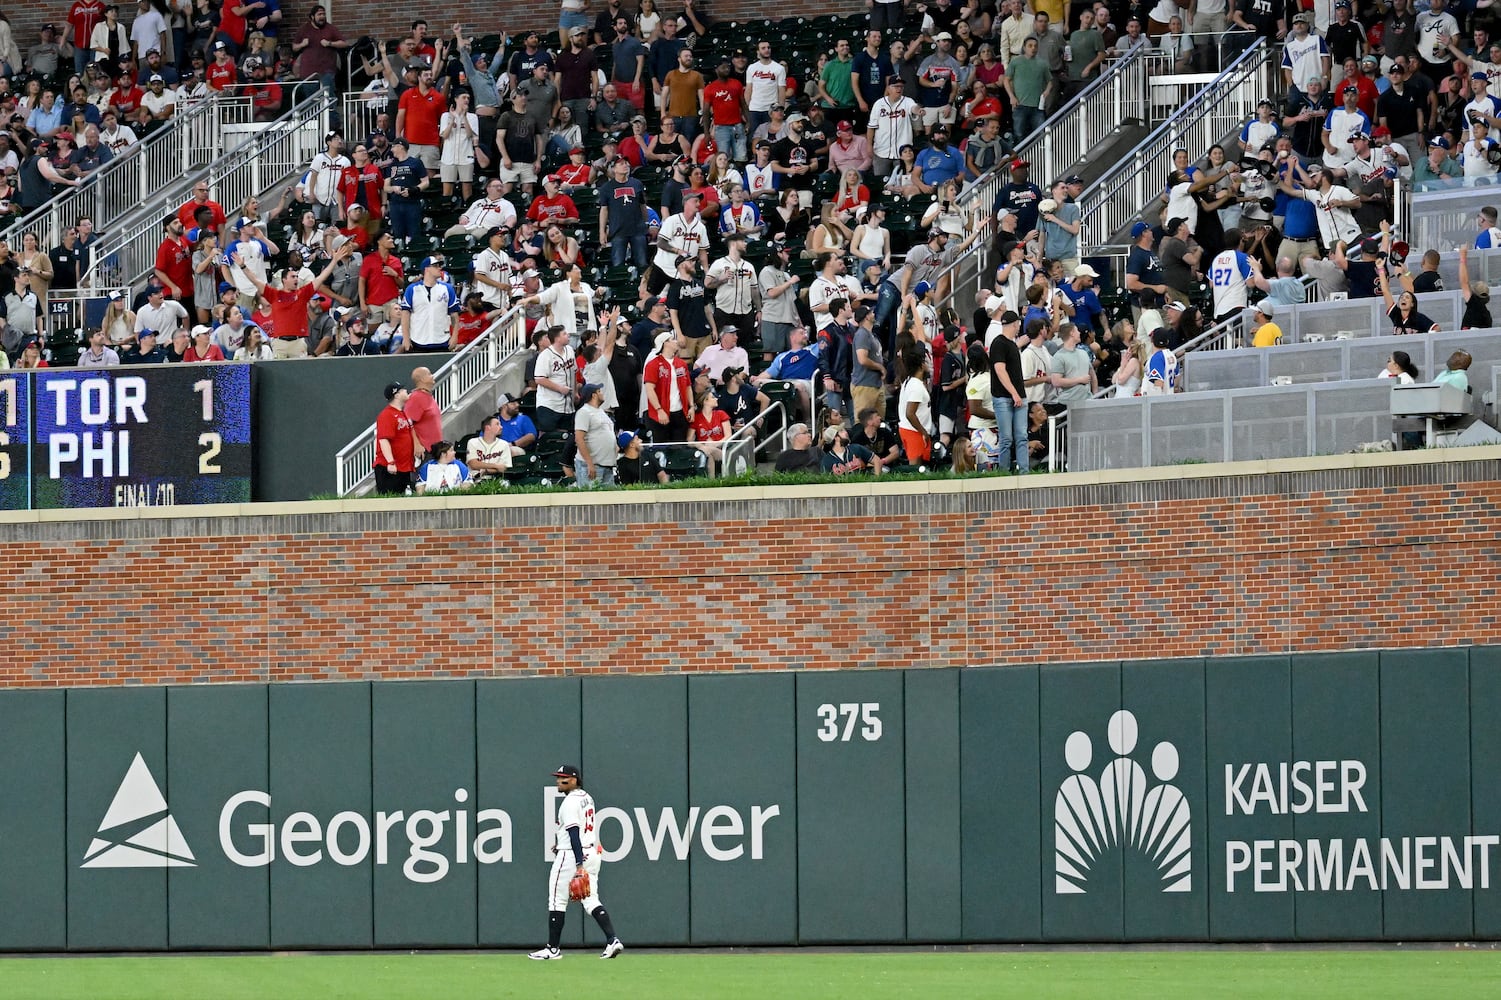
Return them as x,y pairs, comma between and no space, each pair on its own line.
1229,275
1304,57
1342,124
684,239
498,267
576,812
1489,239
892,122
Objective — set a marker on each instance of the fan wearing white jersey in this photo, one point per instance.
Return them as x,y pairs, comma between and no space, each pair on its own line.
1232,273
576,852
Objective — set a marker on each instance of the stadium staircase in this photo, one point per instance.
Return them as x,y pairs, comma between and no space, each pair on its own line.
174,150
269,157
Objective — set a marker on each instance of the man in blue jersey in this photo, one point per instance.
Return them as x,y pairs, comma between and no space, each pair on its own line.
796,365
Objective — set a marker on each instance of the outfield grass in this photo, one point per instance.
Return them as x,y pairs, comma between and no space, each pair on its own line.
1409,975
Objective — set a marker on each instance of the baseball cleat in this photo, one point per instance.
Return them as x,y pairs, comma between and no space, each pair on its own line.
612,949
546,954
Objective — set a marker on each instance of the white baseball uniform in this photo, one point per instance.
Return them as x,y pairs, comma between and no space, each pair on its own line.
575,812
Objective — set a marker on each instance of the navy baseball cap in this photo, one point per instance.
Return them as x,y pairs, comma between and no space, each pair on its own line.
566,771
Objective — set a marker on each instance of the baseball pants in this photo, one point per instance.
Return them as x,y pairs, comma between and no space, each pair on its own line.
562,872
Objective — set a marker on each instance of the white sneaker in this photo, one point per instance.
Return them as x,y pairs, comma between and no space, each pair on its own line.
612,949
545,954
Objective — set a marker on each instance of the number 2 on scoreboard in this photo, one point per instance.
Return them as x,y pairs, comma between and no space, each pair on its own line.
210,442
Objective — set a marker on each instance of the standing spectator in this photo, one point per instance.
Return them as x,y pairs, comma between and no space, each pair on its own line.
765,85
317,45
23,308
669,391
83,16
914,414
45,57
682,234
254,252
725,99
737,294
395,453
577,71
109,41
541,96
1061,224
459,130
148,31
187,214
382,280
1008,402
426,310
890,126
622,216
419,111
1304,56
520,143
835,84
1029,84
557,378
594,437
67,261
869,71
628,65
423,411
1434,28
289,305
405,182
174,261
688,306
683,95
222,74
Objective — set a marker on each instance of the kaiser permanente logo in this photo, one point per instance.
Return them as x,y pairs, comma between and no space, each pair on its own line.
1122,808
138,831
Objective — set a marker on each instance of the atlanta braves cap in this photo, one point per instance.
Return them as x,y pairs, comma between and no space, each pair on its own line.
566,771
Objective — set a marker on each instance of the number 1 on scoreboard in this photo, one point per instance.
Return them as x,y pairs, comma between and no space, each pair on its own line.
205,388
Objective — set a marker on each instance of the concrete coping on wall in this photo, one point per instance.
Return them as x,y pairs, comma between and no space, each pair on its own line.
813,491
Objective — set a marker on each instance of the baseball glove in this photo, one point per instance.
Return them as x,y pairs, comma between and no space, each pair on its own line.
578,886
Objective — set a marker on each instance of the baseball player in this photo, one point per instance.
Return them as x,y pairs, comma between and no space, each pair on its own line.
575,845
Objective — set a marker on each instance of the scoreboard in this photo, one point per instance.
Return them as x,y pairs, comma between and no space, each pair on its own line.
125,437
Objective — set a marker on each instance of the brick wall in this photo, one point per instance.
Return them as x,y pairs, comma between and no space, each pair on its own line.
1351,555
392,20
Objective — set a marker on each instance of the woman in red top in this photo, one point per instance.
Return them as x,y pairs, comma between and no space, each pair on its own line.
201,349
708,194
704,147
473,319
711,426
851,200
987,68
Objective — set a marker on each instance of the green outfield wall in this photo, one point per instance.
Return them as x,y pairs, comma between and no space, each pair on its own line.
1347,796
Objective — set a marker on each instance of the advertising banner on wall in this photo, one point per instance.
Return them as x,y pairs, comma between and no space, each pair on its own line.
1275,798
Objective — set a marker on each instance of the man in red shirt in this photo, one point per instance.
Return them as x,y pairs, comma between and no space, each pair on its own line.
188,212
418,115
725,99
222,72
552,206
423,410
395,455
382,277
289,303
265,93
174,262
83,15
126,96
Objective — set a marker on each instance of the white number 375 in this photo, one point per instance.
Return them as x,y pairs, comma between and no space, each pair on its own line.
851,711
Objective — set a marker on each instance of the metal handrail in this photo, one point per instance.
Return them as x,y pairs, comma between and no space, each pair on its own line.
1117,197
479,360
1064,140
118,187
740,438
269,154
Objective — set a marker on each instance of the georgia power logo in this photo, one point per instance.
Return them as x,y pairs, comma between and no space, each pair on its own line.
138,831
1120,808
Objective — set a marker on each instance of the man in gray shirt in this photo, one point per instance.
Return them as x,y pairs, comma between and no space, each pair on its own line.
868,373
1071,371
541,97
778,301
594,435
